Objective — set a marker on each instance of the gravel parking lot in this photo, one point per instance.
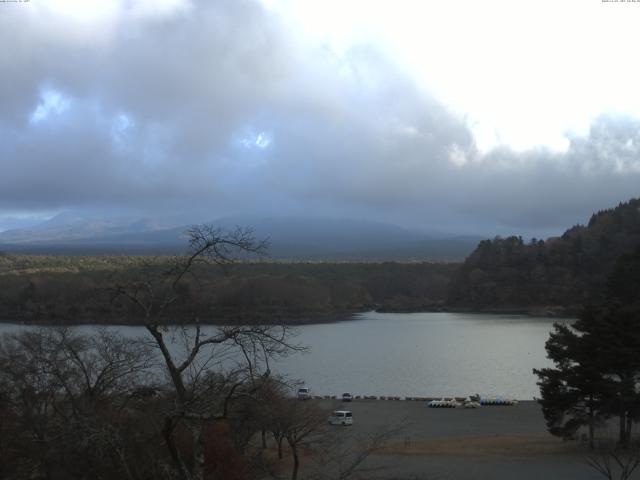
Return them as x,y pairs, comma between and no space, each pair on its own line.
491,442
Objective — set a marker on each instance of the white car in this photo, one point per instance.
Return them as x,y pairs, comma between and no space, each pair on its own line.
347,397
341,417
304,393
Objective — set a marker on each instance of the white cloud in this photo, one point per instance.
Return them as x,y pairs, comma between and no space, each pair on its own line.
51,103
457,156
430,115
504,65
260,140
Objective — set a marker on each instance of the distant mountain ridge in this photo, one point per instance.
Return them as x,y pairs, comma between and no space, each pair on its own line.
566,271
69,228
290,238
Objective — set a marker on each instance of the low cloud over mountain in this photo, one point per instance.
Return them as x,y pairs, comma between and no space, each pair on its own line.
217,108
288,238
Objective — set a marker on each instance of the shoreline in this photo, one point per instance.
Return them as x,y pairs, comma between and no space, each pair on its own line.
314,319
531,311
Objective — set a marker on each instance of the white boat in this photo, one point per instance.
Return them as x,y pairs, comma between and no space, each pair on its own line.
444,403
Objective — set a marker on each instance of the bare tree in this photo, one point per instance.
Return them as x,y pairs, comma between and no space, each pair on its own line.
274,411
66,398
615,463
301,423
342,455
248,348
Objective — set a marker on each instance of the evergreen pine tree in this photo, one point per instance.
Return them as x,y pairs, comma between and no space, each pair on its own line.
597,361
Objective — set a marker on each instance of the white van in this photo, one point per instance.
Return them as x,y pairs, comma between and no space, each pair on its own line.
341,417
304,393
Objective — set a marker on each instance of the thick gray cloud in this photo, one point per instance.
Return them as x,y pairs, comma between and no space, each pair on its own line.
218,109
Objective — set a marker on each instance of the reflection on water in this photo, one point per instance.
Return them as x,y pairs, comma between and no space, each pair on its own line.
424,354
421,354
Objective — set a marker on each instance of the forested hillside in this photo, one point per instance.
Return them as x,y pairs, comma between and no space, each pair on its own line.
564,271
558,275
64,289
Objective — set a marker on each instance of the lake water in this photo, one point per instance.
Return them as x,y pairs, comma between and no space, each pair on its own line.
415,354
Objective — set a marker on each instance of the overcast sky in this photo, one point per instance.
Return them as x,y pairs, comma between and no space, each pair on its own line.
489,117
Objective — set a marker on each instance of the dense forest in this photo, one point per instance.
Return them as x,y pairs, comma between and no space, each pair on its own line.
561,273
78,289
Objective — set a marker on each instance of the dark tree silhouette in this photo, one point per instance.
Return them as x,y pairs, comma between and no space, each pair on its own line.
198,401
597,360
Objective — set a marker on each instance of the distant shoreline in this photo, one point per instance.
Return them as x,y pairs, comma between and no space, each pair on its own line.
335,317
533,311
